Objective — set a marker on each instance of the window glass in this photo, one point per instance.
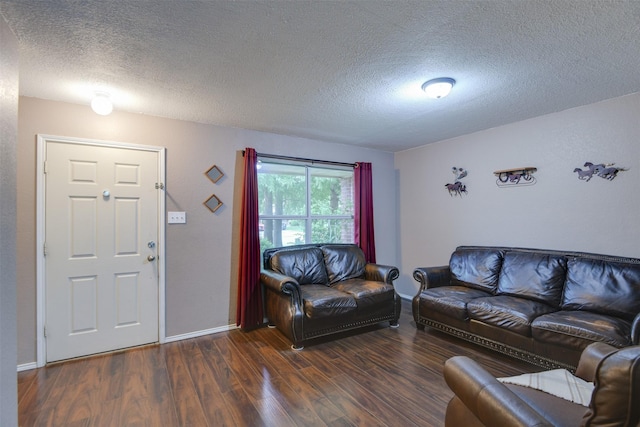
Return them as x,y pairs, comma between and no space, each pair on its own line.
281,189
304,204
332,231
331,192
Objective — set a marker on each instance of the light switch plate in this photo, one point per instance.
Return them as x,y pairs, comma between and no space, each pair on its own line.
177,218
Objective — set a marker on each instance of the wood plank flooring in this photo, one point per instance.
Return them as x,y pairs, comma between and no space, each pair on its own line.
373,377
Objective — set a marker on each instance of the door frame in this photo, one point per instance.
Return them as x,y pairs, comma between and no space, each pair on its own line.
42,140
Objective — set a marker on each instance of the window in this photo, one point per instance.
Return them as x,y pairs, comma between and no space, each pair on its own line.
304,204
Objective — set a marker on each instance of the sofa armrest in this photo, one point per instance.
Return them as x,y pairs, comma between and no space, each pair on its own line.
635,331
486,397
279,283
381,273
432,277
591,358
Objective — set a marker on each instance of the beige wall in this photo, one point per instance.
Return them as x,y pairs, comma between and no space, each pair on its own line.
200,265
558,212
8,139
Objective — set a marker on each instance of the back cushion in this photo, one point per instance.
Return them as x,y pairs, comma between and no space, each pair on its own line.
614,401
343,262
535,276
605,287
306,265
476,268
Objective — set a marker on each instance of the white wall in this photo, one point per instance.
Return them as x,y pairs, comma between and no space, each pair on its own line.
8,142
558,212
201,261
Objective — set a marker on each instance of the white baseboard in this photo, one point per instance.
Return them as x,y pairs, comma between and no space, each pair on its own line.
27,366
197,334
173,338
34,365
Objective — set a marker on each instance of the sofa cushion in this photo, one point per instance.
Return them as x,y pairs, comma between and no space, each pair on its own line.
605,287
532,275
343,262
476,268
556,413
511,313
323,302
449,300
617,391
305,265
578,329
367,293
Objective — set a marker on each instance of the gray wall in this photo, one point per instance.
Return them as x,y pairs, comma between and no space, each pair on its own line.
201,266
8,138
417,222
558,212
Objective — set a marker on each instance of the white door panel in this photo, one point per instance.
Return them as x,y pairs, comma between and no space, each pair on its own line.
101,211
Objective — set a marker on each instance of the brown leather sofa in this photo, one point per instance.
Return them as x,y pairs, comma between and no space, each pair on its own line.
316,290
482,400
540,306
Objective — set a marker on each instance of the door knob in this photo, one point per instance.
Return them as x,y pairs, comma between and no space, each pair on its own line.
151,258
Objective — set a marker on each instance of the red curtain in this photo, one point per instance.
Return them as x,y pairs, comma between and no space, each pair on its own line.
249,309
364,210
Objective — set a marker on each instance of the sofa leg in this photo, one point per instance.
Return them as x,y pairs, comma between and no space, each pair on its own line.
296,347
420,326
394,324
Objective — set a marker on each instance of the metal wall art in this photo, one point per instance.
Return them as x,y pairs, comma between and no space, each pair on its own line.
457,188
516,176
607,171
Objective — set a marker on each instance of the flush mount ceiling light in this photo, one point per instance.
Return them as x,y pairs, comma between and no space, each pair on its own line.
438,88
101,104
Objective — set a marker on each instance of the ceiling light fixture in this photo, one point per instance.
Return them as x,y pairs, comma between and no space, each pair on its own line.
438,88
101,104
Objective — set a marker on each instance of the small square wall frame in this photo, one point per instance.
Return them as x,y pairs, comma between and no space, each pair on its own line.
213,203
214,174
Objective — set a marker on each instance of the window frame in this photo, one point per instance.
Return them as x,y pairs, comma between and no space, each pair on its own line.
308,217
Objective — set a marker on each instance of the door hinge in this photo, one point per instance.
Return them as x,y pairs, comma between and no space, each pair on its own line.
159,186
45,331
46,167
44,248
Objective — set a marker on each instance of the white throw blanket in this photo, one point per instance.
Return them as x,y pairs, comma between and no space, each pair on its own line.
558,382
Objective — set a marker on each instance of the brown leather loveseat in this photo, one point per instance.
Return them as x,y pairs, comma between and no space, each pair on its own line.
613,398
316,290
541,306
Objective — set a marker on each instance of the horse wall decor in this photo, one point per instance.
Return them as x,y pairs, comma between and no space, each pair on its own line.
516,176
457,188
606,171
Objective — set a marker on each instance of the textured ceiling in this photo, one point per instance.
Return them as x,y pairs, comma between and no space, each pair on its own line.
344,71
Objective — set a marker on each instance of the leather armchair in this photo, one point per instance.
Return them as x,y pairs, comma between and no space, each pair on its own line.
481,400
321,289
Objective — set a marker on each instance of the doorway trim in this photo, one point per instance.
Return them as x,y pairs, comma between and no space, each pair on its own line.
42,139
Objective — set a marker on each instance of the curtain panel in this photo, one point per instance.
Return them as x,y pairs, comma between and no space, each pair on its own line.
249,308
364,234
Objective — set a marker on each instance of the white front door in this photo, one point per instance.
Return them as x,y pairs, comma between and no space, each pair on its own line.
101,237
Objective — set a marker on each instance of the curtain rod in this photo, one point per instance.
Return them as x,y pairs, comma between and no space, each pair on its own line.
302,159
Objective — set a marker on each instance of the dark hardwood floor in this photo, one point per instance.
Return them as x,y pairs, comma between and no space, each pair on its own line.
374,377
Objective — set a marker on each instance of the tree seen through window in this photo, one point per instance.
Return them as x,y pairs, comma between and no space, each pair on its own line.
304,204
